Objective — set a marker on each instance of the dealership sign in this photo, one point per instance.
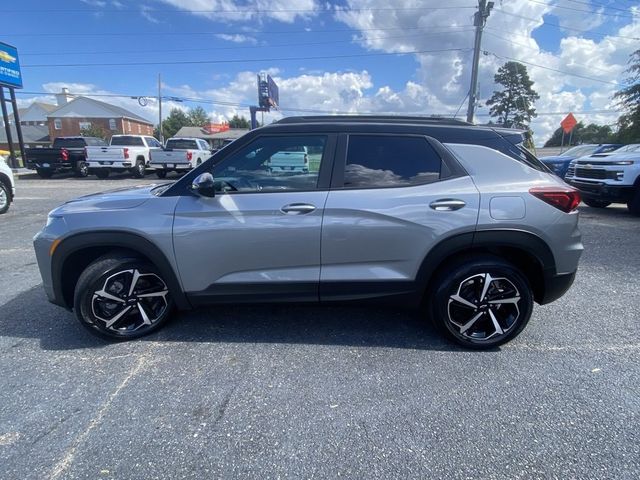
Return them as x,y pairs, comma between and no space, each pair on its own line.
10,75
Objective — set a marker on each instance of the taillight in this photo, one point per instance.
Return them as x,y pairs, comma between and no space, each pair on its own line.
126,152
189,155
64,153
563,198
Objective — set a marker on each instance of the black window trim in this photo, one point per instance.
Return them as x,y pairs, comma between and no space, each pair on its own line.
448,161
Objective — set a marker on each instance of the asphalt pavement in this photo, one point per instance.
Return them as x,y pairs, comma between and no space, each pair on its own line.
319,392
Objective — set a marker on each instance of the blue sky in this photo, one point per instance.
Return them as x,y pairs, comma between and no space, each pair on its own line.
576,51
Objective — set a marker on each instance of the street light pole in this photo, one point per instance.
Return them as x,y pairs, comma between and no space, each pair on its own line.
160,110
479,20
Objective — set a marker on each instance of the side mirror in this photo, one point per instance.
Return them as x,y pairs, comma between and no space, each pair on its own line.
204,185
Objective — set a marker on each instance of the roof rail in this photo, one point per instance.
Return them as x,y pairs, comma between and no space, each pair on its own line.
415,119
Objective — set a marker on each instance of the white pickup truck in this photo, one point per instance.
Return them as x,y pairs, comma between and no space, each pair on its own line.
179,154
608,178
124,153
294,159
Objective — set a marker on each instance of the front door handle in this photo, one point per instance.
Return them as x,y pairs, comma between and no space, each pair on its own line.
298,208
447,204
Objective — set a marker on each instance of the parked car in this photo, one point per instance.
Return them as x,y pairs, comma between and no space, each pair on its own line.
179,154
7,183
604,179
448,217
124,153
67,154
559,164
293,159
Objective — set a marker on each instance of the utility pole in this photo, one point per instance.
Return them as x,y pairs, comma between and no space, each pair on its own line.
160,110
479,21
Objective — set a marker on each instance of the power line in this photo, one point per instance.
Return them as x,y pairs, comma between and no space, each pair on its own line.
248,60
151,10
544,22
628,15
239,47
556,70
236,32
609,7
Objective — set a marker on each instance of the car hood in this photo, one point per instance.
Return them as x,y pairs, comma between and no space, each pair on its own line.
555,158
117,199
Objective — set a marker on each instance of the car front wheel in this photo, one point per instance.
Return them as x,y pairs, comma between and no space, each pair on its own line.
481,302
5,198
120,297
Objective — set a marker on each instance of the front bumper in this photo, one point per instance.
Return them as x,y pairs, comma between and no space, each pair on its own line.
603,191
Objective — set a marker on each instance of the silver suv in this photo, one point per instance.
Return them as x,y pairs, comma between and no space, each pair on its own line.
448,217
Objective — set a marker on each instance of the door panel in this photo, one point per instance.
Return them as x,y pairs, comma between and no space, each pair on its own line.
383,234
247,239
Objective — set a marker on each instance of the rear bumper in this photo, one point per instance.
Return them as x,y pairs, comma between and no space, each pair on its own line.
603,191
555,286
57,166
171,166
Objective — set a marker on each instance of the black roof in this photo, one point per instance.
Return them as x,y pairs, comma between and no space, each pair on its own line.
429,120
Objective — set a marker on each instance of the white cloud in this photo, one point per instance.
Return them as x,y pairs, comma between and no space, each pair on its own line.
237,38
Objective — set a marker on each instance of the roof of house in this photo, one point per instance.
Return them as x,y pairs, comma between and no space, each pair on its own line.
47,107
108,110
198,132
30,134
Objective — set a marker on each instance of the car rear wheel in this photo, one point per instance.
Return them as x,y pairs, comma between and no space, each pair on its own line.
82,170
44,173
634,204
595,203
139,170
102,173
161,173
121,297
5,198
481,302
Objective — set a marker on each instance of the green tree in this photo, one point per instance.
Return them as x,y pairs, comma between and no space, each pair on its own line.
629,98
198,117
513,105
174,122
239,122
592,133
95,131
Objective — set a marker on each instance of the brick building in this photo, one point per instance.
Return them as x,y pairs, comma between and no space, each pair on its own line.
75,113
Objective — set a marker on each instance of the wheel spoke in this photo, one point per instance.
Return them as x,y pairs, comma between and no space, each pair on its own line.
513,300
153,294
145,318
118,316
470,323
463,301
485,287
496,325
134,281
108,296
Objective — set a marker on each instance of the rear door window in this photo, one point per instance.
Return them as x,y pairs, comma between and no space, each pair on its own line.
376,161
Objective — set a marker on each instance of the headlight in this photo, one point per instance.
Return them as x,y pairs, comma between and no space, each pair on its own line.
623,162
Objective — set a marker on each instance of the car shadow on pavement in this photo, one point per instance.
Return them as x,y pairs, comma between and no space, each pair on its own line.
30,315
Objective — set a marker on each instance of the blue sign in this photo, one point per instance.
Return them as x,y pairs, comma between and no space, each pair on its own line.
10,75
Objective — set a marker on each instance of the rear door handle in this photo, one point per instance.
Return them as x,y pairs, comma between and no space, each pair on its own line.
298,208
447,204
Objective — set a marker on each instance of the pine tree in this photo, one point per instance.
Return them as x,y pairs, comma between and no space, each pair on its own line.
513,106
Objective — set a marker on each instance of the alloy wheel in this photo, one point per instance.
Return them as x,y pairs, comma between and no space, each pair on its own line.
4,199
130,301
483,307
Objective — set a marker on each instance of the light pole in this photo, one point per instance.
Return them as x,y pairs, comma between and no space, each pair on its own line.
479,20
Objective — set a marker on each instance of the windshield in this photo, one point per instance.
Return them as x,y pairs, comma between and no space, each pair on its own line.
182,144
634,147
579,151
69,142
127,141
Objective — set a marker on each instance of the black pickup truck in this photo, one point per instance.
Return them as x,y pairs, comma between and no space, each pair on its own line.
67,154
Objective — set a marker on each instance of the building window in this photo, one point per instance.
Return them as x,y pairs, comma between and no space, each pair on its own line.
112,124
84,125
57,124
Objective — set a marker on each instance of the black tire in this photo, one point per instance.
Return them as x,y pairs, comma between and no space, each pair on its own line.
463,281
634,204
44,173
139,170
595,203
161,173
198,162
102,173
82,170
5,198
112,275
